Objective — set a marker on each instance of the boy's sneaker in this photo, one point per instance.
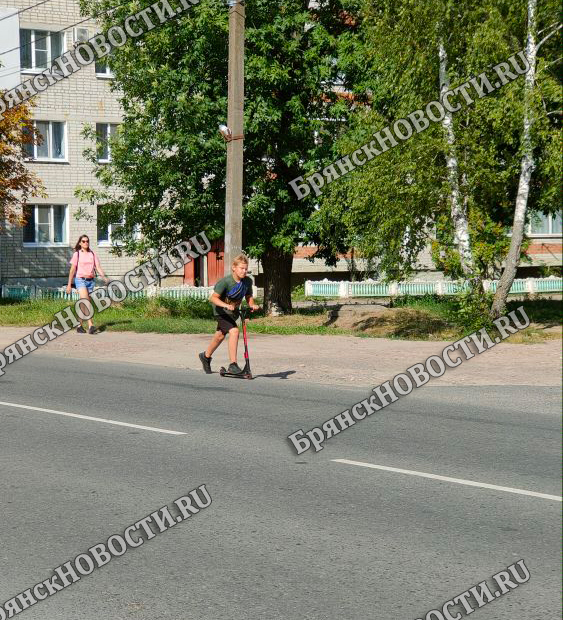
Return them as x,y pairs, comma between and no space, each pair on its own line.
205,362
234,369
92,330
81,330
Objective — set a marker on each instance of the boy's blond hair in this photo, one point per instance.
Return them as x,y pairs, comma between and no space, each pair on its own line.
241,258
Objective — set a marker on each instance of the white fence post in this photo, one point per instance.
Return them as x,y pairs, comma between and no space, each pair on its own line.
308,288
394,289
531,285
343,289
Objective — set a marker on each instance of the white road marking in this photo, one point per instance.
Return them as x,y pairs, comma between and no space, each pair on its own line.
92,419
471,483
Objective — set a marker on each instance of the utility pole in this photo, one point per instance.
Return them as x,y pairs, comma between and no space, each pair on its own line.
235,122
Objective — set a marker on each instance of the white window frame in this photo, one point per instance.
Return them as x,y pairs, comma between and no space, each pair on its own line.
108,74
59,160
50,59
108,127
110,242
535,235
50,243
76,38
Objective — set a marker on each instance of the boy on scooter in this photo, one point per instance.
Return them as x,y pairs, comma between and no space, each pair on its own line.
227,296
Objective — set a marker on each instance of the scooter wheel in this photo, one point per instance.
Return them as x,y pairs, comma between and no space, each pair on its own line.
222,371
249,376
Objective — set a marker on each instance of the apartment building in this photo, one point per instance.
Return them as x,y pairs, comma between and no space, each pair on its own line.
32,34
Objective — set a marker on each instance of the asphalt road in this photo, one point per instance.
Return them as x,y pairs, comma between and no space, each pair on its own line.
286,536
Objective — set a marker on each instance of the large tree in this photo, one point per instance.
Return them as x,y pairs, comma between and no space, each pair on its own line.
167,174
455,184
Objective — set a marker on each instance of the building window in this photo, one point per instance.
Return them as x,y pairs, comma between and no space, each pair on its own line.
106,234
541,224
39,48
45,225
52,142
104,132
102,69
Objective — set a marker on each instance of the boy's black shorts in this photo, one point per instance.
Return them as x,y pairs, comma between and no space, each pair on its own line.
225,324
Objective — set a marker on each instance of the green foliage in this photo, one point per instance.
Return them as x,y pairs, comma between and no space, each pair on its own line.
545,271
298,292
29,312
377,207
419,318
168,159
490,243
168,306
472,310
437,304
394,205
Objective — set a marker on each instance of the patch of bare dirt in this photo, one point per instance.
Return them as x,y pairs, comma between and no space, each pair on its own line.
382,321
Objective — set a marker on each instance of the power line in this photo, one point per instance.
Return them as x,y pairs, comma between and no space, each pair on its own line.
23,10
6,73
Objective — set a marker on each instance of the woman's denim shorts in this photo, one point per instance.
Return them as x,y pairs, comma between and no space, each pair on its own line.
82,283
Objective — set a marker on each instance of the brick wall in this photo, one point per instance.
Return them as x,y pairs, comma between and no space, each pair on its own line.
79,99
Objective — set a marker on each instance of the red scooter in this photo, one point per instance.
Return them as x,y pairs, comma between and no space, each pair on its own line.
245,374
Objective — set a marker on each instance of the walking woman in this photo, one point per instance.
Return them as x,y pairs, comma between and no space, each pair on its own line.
84,264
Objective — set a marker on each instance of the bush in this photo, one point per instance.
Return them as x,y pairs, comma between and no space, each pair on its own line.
298,292
472,309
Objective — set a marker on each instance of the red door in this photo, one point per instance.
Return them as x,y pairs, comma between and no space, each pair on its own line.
189,273
193,271
215,262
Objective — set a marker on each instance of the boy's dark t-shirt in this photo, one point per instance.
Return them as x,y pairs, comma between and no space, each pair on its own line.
231,292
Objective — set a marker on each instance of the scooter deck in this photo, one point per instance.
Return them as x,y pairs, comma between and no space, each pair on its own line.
243,375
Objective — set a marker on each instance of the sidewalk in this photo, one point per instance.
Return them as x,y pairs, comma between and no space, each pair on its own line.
345,360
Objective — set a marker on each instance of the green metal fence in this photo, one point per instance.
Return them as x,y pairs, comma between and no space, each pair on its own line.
453,288
23,293
325,289
417,288
313,288
549,285
443,287
195,292
518,286
48,293
17,292
368,289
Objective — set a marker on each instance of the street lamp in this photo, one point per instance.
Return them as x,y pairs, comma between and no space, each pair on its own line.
233,133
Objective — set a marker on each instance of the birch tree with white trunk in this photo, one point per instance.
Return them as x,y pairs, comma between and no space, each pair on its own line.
527,166
461,177
457,205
